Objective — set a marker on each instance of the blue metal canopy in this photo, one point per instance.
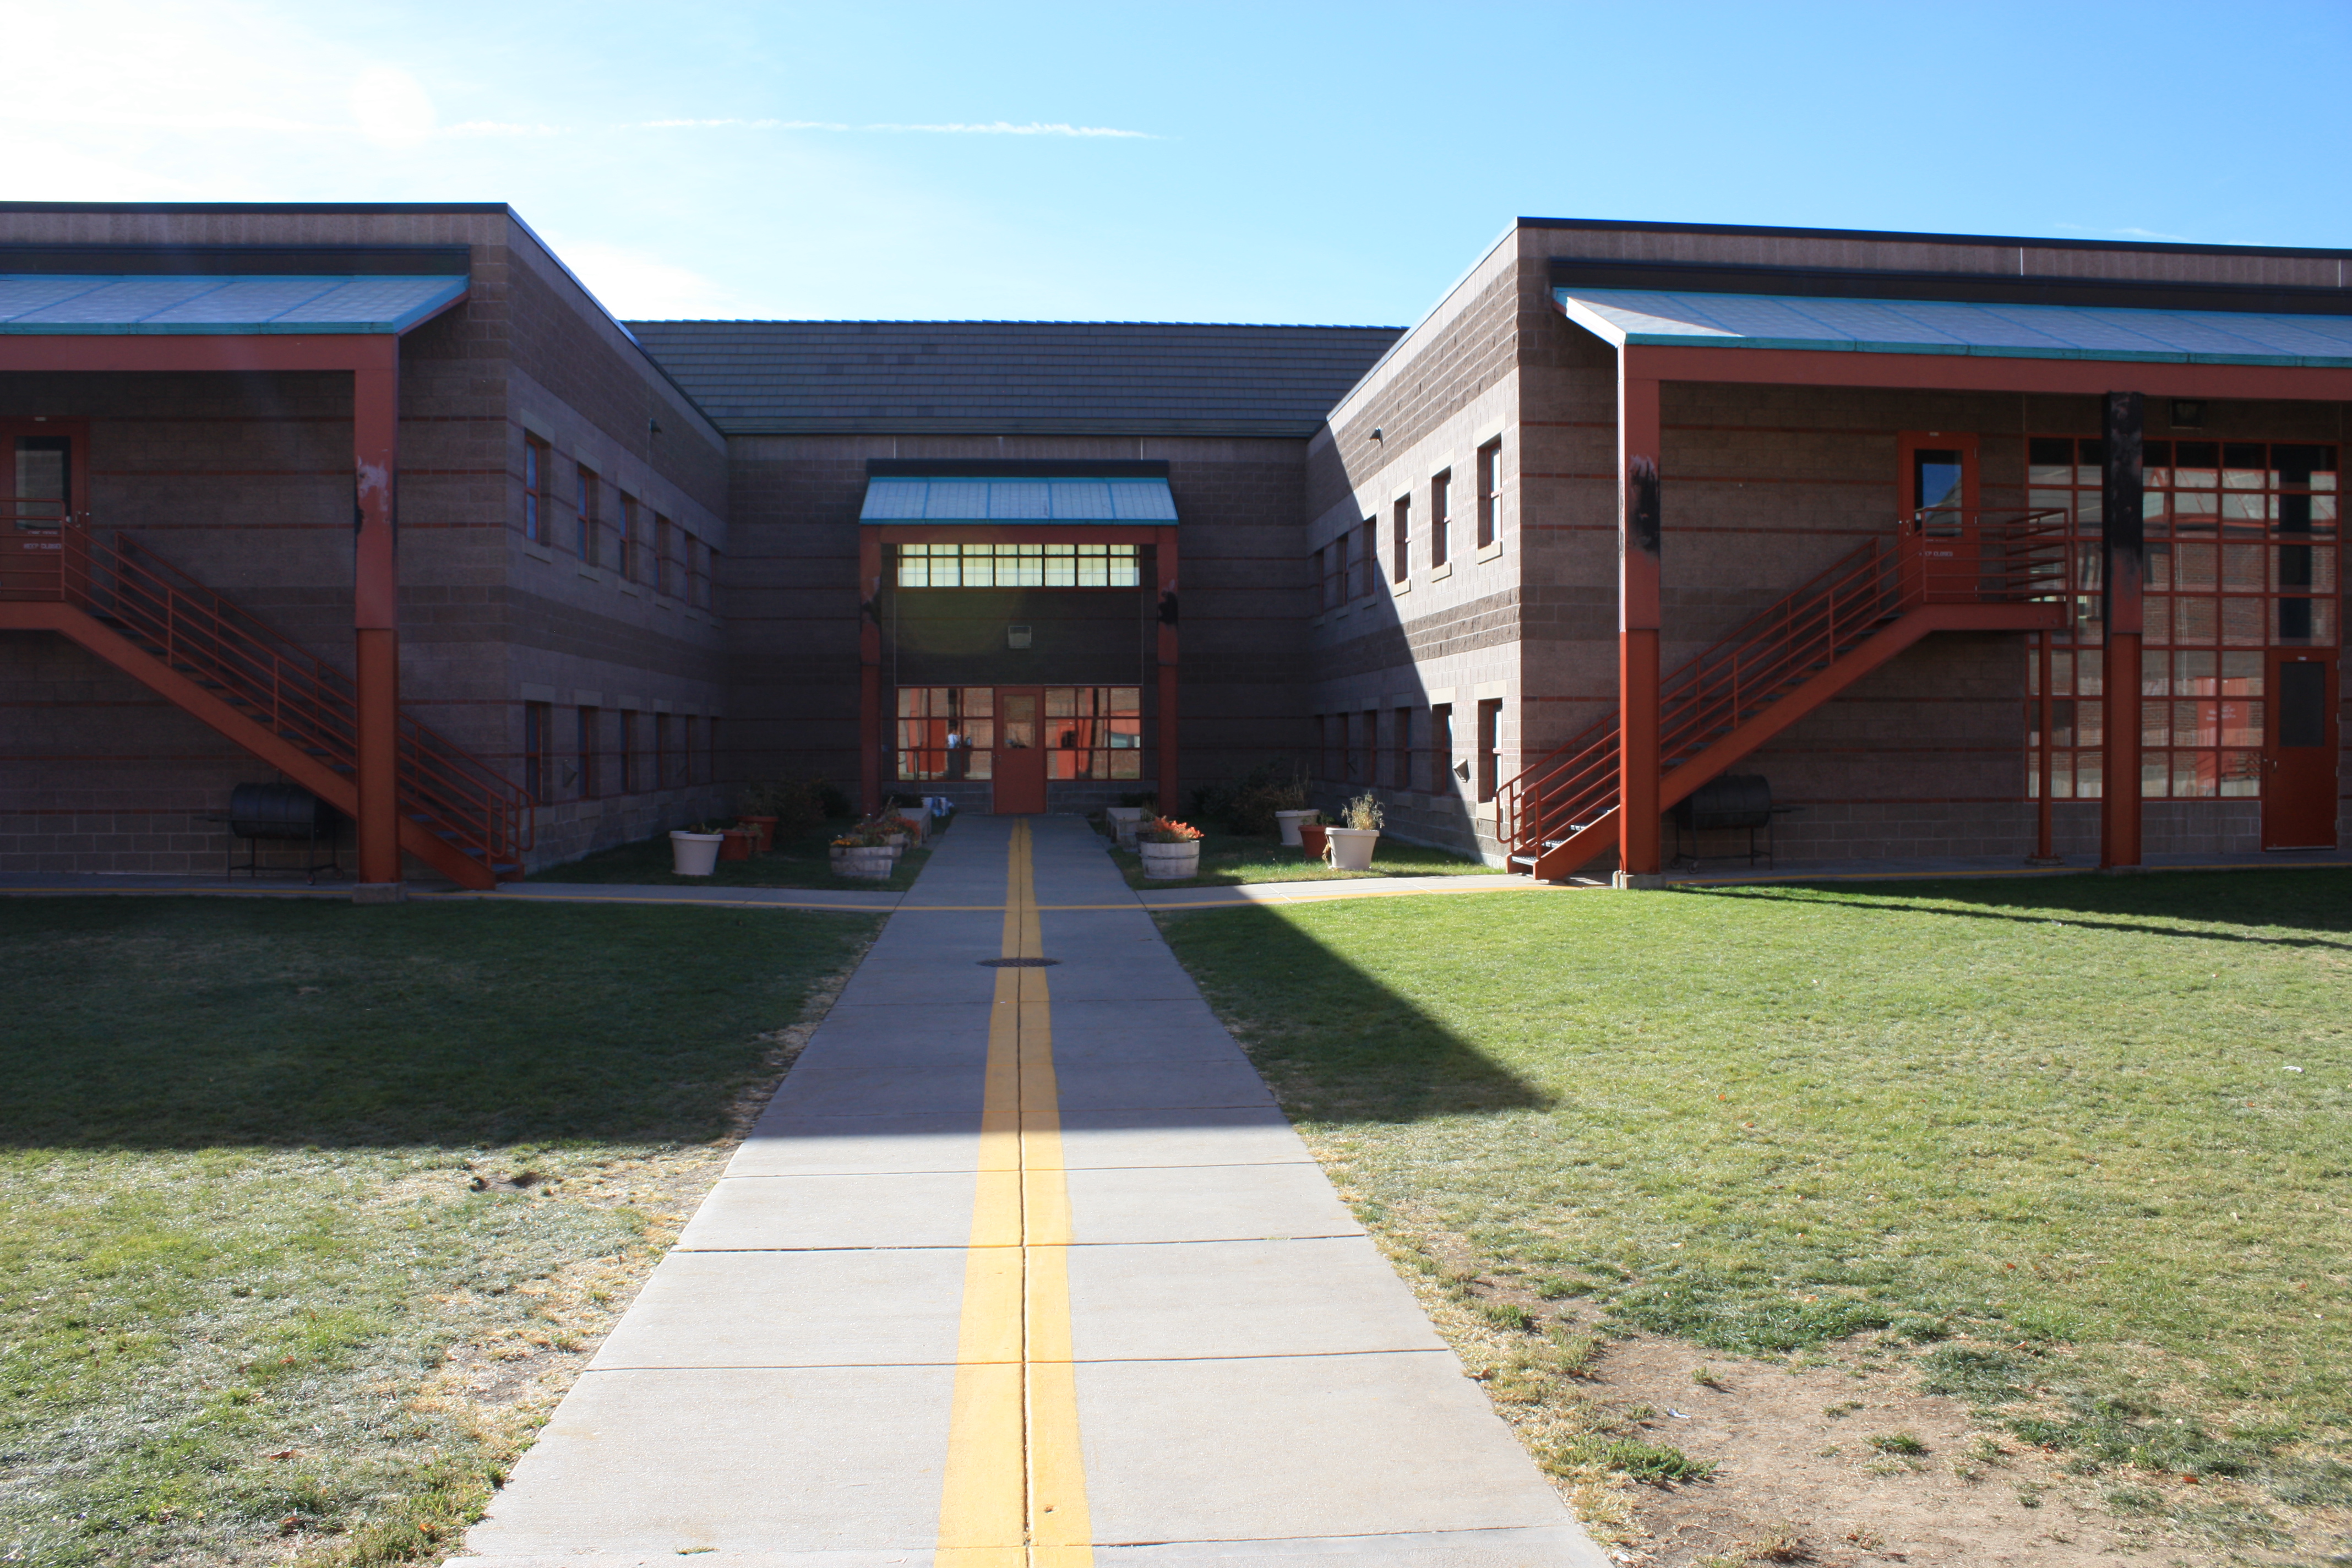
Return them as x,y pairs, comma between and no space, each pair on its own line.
1678,320
82,303
950,500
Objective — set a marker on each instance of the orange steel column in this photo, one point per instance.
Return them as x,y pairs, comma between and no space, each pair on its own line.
375,616
1164,566
2124,546
869,670
1637,629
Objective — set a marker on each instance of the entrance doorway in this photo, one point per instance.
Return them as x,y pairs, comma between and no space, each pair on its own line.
2299,750
40,491
1938,486
1019,759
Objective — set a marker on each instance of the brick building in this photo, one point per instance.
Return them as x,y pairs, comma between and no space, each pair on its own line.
1937,535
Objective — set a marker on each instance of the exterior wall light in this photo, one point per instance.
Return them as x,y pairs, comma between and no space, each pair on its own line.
2188,414
1017,637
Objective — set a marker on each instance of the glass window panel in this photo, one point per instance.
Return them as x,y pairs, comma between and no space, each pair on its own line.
2192,675
2090,723
2323,620
1061,701
2061,723
2153,767
2193,723
2195,621
2087,765
1127,699
2240,721
2239,774
1127,764
2195,774
2156,722
2242,568
2062,672
2155,674
2194,566
2242,675
2156,620
2245,622
2062,775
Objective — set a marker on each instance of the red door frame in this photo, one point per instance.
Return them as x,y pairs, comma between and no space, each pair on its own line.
1019,773
1949,550
2299,783
32,560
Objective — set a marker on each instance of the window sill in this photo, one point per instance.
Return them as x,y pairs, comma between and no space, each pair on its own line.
631,589
1402,585
1440,572
1343,612
538,552
1491,553
590,572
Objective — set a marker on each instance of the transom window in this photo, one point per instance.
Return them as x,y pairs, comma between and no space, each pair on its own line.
2241,557
966,565
952,733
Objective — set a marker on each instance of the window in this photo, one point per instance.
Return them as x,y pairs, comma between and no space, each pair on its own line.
632,767
535,461
632,548
1045,565
591,774
1490,492
665,757
710,749
1441,515
1094,732
1441,747
665,550
689,763
697,572
1490,746
946,732
536,722
1323,747
1401,540
1371,747
1367,575
2241,557
584,504
1327,571
1403,738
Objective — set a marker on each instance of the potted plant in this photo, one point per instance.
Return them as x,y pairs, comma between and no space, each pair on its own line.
864,851
738,843
1311,835
693,851
1291,823
1351,844
756,811
1170,849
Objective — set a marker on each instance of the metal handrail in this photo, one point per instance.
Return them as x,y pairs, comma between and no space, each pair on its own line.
292,692
1974,558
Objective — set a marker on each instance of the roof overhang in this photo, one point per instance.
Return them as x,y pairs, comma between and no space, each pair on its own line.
1076,500
87,305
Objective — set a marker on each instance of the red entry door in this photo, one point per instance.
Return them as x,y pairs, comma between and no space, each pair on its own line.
1019,759
2299,750
40,490
1939,510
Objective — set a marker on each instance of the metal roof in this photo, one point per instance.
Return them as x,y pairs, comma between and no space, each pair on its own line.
1681,319
119,303
1013,377
951,498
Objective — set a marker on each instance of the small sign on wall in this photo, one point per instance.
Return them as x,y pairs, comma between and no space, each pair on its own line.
1017,637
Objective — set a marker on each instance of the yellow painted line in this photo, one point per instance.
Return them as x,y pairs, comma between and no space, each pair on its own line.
1014,1491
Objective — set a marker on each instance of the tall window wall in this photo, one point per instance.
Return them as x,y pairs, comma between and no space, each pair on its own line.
2241,558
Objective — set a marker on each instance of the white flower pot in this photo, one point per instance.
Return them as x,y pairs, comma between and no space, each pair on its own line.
1289,821
695,854
1351,847
1168,862
1125,820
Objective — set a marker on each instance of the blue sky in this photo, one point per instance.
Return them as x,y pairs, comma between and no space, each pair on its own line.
1270,162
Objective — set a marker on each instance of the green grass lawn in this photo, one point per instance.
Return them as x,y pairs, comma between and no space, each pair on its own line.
800,862
2079,1148
249,1300
1229,859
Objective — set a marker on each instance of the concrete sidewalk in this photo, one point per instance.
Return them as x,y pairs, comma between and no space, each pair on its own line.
1023,1267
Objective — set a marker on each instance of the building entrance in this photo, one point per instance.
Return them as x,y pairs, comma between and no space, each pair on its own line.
37,498
1020,760
2299,752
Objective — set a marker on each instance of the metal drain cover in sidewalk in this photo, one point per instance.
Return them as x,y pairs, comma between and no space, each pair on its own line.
1018,963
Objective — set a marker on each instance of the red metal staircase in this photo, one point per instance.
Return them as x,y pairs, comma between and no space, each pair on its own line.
1988,572
260,689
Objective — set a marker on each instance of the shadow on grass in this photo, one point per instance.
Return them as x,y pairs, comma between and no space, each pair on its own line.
2315,904
188,1023
1363,1051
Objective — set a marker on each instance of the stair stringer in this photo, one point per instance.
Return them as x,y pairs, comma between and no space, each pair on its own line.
234,726
1679,782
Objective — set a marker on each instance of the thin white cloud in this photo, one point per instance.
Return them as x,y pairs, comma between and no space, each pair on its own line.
994,128
498,128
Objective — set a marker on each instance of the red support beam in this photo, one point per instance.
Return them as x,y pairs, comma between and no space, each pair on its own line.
2123,545
1164,569
1638,862
375,612
869,670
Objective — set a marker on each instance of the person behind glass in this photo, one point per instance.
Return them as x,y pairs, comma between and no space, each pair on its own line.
959,750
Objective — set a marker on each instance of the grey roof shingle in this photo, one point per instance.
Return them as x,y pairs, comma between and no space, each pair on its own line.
1124,378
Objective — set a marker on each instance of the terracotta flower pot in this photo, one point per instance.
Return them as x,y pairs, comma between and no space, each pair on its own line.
1310,839
695,854
765,827
1351,847
1168,862
739,843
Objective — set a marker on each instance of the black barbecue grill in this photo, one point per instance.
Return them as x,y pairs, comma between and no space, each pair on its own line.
1730,803
282,812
